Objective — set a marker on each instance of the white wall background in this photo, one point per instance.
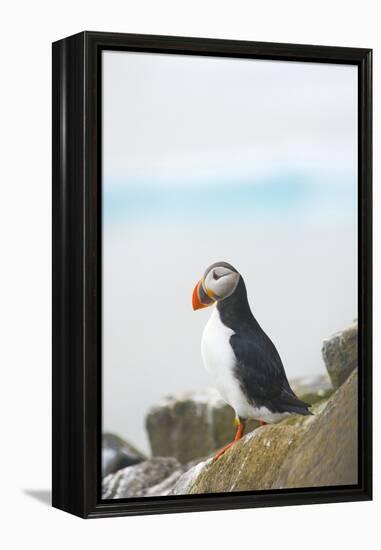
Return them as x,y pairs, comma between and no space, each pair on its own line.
27,29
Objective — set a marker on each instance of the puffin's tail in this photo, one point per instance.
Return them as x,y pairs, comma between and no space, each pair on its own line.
290,403
304,411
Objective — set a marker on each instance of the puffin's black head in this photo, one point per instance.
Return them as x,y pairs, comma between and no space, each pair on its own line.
219,281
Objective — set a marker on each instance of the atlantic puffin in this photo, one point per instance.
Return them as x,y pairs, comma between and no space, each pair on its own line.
246,366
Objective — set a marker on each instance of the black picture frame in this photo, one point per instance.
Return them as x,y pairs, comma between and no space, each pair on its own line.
77,254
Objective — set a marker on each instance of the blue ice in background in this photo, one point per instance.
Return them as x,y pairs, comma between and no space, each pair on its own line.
285,196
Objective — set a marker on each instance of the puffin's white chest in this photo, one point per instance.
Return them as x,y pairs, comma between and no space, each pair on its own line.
219,360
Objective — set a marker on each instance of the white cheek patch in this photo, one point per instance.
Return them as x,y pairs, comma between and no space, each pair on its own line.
224,285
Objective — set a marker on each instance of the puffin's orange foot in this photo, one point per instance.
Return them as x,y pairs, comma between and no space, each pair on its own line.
223,451
238,435
261,423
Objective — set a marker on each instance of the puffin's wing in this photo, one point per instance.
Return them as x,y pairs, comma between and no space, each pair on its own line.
261,374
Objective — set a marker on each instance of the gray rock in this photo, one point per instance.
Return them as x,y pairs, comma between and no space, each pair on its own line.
164,487
340,354
191,426
117,454
153,477
320,451
194,425
312,389
327,450
185,482
252,463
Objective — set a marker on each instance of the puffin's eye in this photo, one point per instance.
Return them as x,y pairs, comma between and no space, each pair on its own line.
215,276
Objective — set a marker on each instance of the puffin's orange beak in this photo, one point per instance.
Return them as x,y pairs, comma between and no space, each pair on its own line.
199,297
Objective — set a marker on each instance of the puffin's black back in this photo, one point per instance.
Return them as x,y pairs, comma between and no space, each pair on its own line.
259,367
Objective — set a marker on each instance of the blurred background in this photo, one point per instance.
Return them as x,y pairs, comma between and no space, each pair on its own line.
206,159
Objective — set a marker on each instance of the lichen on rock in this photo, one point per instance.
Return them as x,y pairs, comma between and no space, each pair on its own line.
316,451
327,451
251,463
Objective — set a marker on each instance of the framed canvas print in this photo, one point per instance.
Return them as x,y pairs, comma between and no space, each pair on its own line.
211,274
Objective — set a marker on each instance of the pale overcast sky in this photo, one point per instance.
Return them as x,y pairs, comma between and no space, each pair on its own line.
180,117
